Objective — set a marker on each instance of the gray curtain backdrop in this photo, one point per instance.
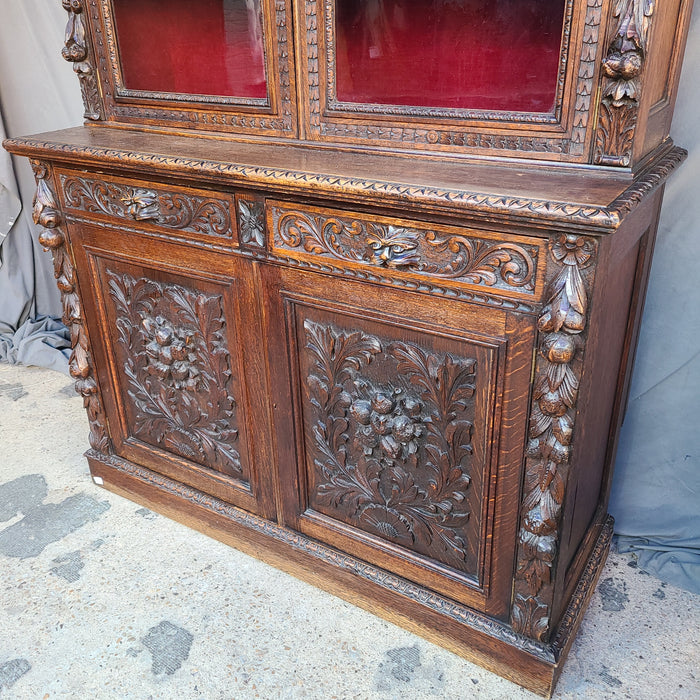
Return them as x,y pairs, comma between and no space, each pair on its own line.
38,92
656,491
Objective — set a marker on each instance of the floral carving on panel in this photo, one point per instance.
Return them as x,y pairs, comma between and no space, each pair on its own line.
175,358
392,449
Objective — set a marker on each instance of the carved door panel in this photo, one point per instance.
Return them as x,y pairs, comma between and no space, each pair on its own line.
396,406
180,399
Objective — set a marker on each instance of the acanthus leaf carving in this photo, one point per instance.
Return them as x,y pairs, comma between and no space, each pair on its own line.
175,358
469,259
622,70
180,211
562,326
47,215
76,50
393,457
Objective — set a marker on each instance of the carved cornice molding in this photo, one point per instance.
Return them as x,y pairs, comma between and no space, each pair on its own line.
47,215
77,50
562,330
595,219
621,82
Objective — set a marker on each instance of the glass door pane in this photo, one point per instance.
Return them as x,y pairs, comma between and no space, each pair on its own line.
207,47
493,55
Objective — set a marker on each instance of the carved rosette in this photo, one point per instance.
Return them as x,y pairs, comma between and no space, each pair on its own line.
174,355
77,51
251,222
47,215
392,449
562,326
622,70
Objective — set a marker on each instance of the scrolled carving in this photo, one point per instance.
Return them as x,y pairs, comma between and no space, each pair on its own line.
622,70
77,51
175,358
393,457
181,211
47,215
562,324
442,255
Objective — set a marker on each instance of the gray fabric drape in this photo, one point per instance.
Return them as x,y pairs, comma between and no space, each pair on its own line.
656,490
38,92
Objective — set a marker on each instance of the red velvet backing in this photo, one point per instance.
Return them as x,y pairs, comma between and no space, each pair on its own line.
471,54
202,47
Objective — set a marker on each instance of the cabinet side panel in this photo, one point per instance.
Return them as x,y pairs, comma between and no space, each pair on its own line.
599,382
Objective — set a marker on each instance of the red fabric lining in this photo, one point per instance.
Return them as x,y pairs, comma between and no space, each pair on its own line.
470,54
207,47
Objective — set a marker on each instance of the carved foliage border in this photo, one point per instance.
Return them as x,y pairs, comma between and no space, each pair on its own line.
621,81
47,215
562,325
78,51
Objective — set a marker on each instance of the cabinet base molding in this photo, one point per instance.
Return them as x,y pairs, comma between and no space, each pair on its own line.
478,638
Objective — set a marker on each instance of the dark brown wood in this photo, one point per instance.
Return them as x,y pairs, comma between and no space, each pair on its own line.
346,342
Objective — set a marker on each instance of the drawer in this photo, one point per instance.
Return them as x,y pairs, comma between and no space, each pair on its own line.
195,214
456,261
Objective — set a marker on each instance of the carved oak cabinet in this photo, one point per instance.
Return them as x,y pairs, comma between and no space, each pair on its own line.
356,286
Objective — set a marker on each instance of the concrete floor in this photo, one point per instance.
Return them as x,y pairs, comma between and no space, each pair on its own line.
100,598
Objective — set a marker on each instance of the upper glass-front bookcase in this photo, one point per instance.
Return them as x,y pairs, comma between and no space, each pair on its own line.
552,79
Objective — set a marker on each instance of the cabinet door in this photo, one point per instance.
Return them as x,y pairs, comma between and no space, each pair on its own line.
174,333
407,416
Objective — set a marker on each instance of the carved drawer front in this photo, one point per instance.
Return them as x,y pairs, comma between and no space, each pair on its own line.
397,441
173,342
166,209
449,260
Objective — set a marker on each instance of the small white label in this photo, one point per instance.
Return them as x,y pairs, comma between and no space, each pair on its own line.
98,480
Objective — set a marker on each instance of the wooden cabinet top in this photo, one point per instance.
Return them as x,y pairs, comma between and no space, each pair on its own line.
539,195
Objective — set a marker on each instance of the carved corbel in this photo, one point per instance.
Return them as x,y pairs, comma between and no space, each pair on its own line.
562,328
77,51
47,215
621,87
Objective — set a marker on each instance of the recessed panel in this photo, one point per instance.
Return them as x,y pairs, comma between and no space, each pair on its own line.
496,55
396,435
208,47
